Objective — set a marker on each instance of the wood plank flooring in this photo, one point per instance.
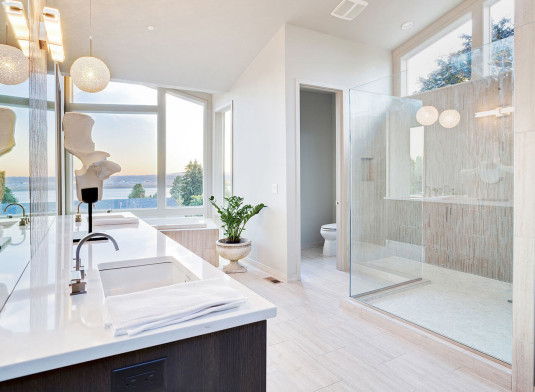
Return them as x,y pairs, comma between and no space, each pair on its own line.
315,345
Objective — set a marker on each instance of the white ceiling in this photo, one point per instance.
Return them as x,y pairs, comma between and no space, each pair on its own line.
205,44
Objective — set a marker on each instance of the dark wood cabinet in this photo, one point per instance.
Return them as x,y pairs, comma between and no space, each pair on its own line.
232,360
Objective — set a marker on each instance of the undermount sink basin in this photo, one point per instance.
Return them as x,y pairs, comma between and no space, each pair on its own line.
6,224
129,276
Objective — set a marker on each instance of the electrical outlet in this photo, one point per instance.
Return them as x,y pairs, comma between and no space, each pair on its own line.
143,377
141,382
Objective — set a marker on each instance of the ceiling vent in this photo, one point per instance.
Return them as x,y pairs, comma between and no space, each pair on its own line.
349,9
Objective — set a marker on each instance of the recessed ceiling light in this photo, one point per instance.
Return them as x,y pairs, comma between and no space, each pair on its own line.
407,25
150,28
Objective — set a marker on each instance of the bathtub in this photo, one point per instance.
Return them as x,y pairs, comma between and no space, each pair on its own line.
180,222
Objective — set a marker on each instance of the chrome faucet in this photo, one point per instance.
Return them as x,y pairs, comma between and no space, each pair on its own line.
24,220
78,275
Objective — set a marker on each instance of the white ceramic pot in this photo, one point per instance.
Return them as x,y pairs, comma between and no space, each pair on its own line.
233,253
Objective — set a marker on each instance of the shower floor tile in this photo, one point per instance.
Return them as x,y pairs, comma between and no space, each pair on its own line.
469,309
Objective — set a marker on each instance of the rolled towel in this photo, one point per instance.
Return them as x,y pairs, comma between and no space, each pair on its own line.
144,310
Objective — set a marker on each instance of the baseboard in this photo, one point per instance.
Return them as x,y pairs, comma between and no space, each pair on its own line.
473,361
268,270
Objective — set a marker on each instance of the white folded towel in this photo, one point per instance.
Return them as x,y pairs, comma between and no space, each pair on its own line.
105,221
136,312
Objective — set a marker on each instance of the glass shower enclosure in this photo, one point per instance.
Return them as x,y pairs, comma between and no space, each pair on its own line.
432,201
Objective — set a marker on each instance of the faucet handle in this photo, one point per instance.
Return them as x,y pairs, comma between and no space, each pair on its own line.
77,282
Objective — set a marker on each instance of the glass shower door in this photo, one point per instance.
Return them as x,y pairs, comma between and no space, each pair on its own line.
386,193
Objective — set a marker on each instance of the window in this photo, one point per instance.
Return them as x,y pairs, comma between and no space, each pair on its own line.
416,148
444,62
184,151
223,156
451,56
118,93
502,31
502,19
130,139
157,137
227,153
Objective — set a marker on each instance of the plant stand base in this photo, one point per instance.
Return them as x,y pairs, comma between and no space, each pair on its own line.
234,267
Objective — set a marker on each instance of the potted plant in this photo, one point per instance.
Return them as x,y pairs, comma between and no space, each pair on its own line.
234,217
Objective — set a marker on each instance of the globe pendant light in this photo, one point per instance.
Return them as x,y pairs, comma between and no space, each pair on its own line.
427,115
89,73
14,66
449,118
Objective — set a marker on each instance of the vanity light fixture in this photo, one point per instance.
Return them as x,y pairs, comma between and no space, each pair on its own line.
498,112
427,115
17,19
89,73
449,118
54,37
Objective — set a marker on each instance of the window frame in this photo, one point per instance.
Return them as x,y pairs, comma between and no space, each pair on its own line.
219,152
160,111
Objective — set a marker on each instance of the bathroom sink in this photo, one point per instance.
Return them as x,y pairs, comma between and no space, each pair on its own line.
129,276
9,223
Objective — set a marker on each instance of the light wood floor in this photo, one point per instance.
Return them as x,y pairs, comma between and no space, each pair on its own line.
315,345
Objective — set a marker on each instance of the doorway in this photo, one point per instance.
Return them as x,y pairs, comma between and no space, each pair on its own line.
320,197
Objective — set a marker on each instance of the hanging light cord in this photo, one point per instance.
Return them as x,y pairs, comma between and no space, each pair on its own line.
90,31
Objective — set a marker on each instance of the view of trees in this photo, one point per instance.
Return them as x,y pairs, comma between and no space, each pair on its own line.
138,192
186,188
457,67
9,197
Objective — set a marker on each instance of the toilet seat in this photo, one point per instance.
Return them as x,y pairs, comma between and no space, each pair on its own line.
329,227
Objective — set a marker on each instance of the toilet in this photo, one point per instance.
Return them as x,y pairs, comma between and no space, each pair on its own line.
329,233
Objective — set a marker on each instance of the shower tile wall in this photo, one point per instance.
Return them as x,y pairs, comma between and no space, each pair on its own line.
476,236
38,129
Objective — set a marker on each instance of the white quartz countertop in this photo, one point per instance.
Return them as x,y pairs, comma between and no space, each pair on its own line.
43,327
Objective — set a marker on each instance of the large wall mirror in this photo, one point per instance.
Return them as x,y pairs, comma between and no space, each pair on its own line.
16,158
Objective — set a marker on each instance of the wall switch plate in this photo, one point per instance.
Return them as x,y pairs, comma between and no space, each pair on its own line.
143,377
275,188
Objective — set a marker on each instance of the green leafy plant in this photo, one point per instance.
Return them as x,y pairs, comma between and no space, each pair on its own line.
234,216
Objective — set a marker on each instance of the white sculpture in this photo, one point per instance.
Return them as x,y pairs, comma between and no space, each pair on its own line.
95,166
7,130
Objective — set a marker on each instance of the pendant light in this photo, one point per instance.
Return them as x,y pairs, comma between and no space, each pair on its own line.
449,118
427,115
89,73
14,66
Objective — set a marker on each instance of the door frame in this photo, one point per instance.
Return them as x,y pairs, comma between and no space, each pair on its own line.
342,171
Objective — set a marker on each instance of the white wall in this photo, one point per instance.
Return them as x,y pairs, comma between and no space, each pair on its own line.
321,59
260,150
265,129
318,169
